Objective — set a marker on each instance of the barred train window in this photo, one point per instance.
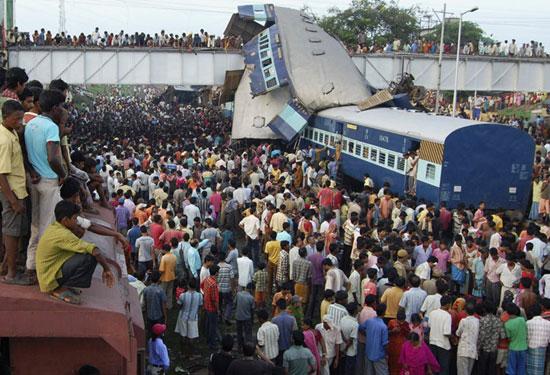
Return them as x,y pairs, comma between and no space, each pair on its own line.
430,171
365,152
358,150
321,135
373,155
350,147
332,140
315,135
391,160
400,163
382,158
326,139
344,145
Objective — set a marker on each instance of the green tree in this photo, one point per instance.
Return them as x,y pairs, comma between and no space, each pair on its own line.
381,21
471,32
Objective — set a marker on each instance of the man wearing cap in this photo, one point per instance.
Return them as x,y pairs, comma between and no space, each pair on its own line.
402,264
158,358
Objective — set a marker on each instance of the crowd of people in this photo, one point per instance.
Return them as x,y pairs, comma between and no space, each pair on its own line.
426,46
106,39
259,248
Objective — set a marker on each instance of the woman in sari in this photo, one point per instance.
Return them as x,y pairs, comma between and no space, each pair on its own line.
416,357
398,331
330,235
313,340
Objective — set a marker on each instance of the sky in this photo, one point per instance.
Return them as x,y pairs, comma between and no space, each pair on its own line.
503,19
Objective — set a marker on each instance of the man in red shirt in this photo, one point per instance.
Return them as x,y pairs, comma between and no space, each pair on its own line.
325,200
212,307
157,229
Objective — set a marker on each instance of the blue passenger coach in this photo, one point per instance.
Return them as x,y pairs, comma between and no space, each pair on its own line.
459,160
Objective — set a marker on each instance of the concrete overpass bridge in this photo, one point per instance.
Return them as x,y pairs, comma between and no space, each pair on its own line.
207,67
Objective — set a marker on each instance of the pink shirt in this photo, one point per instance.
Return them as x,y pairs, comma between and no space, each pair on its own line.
442,259
216,201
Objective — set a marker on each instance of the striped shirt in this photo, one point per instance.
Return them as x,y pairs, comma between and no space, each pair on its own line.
283,268
268,339
225,274
349,229
204,205
538,333
190,302
260,281
336,313
301,270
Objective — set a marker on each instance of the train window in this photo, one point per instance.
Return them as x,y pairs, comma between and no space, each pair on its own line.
382,158
332,140
315,135
365,152
326,139
344,145
350,147
400,163
391,160
373,155
430,171
358,150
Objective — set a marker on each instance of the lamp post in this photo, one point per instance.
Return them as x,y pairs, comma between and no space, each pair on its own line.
458,56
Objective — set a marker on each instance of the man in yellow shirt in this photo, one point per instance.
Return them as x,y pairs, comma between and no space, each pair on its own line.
12,187
272,251
391,298
63,261
167,270
278,218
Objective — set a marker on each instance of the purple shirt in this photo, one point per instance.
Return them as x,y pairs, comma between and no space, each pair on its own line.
317,276
122,217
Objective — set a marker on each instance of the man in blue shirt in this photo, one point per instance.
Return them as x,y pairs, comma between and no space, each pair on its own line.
422,252
413,298
133,234
376,333
286,324
48,170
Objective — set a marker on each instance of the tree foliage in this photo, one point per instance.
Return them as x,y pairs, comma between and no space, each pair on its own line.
471,32
381,21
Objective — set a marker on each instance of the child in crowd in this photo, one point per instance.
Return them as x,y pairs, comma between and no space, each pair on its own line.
260,285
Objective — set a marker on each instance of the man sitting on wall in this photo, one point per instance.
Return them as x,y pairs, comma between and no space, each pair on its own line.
63,261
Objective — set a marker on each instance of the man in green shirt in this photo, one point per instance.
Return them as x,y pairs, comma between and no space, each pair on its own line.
516,331
298,360
64,261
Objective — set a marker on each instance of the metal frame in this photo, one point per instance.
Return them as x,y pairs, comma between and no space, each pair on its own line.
475,72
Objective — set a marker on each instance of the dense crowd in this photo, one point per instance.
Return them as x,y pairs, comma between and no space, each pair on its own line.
366,281
97,39
426,46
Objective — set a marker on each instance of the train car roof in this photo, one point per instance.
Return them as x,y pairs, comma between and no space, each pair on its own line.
399,121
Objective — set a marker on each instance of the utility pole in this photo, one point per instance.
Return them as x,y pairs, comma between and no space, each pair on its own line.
437,94
61,16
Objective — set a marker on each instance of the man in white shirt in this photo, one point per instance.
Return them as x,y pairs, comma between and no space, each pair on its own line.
294,254
251,226
335,278
468,331
246,269
191,211
509,274
440,322
349,328
424,270
433,301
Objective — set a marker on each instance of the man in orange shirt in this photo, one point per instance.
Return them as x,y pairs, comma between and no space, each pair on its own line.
167,271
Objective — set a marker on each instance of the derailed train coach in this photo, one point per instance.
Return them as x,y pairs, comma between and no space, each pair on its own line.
458,160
